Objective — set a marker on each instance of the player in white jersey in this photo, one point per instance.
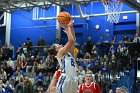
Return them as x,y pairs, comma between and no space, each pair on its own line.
67,82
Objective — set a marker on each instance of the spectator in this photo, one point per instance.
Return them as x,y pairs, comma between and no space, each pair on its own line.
87,56
81,74
24,64
3,75
119,50
5,52
9,71
137,35
40,79
41,42
90,64
125,39
28,43
1,55
104,68
20,58
113,65
111,50
24,49
80,54
28,85
16,77
110,91
89,45
19,62
2,90
94,55
19,86
30,64
21,55
52,66
105,59
17,52
113,62
83,48
10,62
41,66
82,63
125,58
18,72
8,87
94,48
11,50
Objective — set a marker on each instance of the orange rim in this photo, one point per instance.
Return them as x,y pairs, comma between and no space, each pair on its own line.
106,2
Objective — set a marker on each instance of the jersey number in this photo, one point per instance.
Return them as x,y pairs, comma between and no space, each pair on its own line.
72,62
60,84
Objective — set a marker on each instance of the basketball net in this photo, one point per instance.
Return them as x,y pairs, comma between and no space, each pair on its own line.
113,9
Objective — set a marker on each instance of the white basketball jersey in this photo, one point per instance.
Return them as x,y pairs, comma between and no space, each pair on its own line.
68,65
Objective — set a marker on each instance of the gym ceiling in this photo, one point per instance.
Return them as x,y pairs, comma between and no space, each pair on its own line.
27,5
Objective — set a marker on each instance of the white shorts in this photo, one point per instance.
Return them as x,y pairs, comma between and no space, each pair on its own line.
67,84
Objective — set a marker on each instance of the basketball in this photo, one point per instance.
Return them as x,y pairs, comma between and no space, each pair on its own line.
63,17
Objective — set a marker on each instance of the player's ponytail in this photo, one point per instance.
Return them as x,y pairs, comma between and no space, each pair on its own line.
52,50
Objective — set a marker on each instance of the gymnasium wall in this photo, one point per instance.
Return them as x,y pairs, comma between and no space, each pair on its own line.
125,27
23,26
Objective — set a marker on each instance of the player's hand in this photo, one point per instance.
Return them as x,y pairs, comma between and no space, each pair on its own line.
67,26
70,24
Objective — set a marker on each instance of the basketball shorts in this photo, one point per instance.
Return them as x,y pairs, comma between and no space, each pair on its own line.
67,84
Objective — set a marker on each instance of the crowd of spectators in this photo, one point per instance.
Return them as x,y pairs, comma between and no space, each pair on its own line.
30,65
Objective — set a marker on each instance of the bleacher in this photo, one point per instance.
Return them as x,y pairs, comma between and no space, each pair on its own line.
125,81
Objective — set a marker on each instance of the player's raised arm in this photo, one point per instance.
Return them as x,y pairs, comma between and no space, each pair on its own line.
73,34
68,47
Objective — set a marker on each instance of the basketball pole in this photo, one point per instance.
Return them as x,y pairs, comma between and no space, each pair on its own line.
58,28
138,21
8,28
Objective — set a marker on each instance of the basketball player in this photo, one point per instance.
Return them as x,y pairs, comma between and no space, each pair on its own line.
52,86
67,82
89,86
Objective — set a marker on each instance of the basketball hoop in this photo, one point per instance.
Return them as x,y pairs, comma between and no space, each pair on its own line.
113,9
